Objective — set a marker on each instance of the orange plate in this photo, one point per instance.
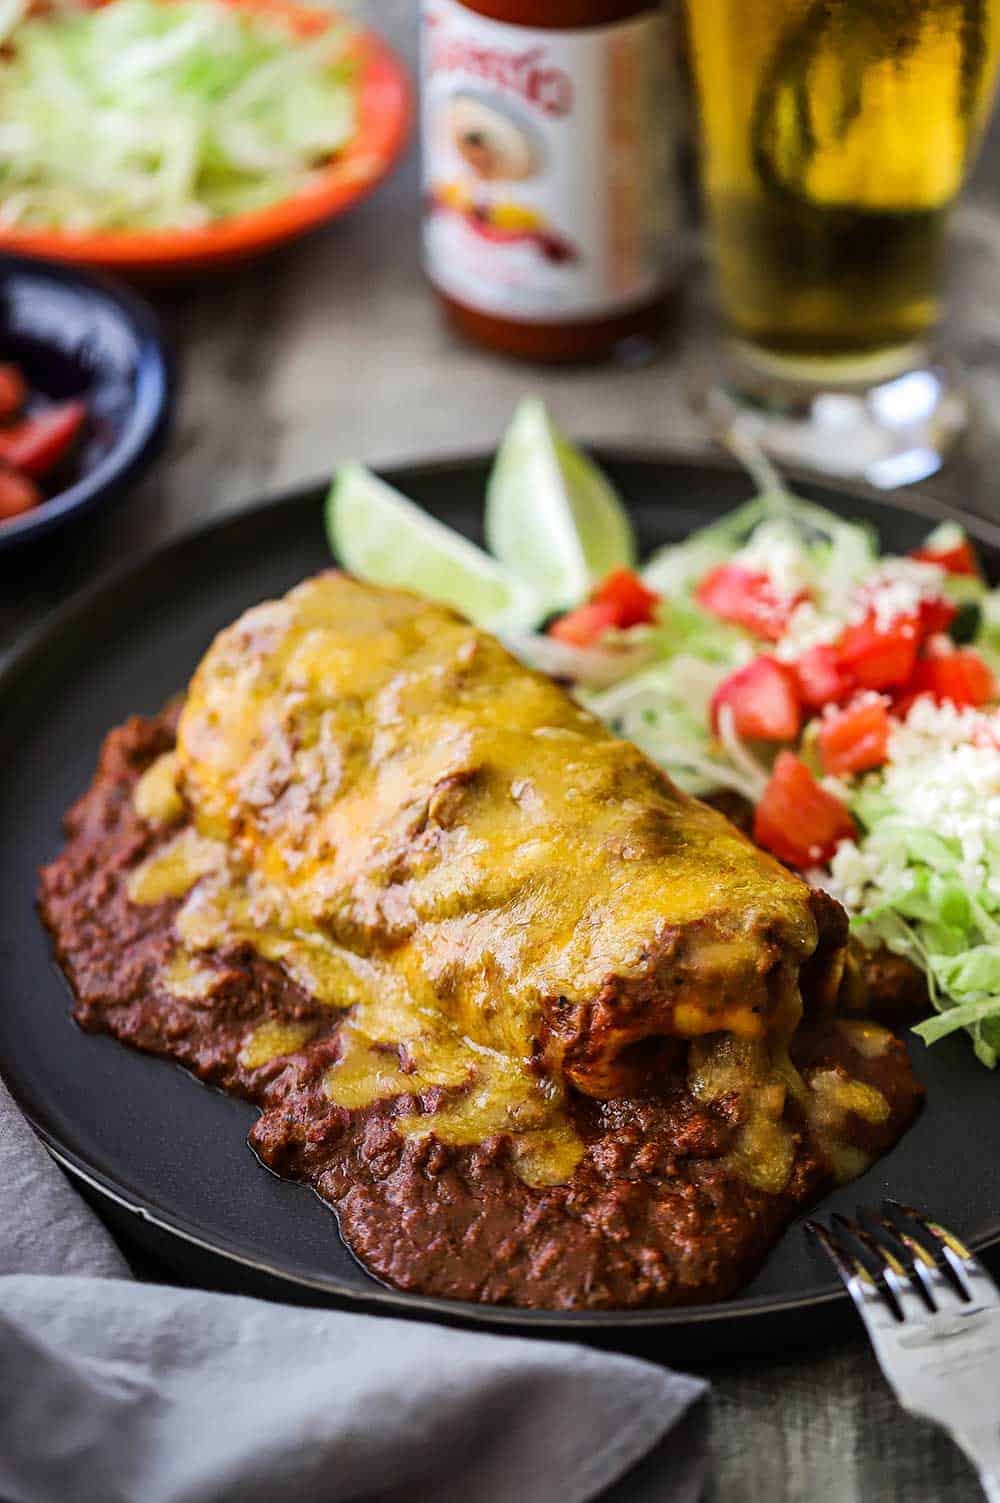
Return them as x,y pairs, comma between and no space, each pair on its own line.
384,116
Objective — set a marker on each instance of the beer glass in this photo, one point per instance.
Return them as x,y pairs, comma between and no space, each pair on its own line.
836,134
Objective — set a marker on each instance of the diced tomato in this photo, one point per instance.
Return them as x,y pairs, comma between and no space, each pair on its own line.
620,602
747,598
796,819
821,677
855,739
18,493
13,392
936,615
959,559
764,700
632,602
902,703
584,626
963,677
880,658
38,443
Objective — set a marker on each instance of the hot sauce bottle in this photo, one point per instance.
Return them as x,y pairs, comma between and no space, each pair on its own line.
549,201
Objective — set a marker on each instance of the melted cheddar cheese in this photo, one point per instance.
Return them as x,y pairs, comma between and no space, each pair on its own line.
426,834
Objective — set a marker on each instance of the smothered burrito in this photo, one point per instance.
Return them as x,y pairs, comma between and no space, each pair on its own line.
541,1028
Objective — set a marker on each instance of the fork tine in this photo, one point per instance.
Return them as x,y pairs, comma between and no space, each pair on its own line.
912,1262
853,1274
927,1354
885,1269
847,1267
954,1258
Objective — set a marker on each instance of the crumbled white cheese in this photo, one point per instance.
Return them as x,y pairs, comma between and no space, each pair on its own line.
858,701
808,627
942,775
897,589
854,872
775,550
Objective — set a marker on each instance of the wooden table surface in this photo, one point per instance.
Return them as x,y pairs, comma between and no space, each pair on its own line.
335,349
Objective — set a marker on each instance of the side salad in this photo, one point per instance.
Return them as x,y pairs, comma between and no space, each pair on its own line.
849,696
140,114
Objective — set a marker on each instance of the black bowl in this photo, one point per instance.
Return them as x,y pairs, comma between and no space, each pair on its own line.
75,335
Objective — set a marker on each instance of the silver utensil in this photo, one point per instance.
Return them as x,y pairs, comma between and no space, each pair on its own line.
933,1314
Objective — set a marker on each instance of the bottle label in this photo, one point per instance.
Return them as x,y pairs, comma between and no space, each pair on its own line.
548,192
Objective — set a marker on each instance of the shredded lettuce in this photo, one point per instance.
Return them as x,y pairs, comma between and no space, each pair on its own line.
587,667
987,636
962,971
839,553
144,115
677,568
928,887
912,885
665,707
664,710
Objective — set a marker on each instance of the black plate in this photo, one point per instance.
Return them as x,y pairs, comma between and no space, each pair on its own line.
151,1140
77,335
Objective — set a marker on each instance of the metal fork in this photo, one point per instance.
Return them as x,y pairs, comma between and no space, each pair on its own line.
933,1315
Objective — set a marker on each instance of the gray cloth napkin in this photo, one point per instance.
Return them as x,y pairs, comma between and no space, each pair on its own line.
113,1391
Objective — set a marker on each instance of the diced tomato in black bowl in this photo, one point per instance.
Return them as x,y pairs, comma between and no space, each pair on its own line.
85,395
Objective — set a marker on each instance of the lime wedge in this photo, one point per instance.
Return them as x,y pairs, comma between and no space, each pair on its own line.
379,535
551,516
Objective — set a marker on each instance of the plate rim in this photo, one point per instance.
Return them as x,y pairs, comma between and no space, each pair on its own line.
19,660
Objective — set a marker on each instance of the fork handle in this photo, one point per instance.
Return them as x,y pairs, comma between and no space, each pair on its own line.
981,1444
983,1450
990,1484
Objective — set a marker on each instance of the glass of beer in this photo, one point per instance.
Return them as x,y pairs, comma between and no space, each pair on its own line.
836,134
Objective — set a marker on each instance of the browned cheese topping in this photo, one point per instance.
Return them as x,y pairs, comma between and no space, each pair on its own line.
508,900
540,1028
